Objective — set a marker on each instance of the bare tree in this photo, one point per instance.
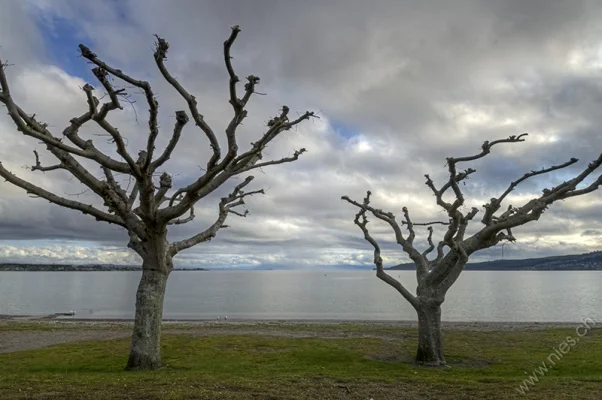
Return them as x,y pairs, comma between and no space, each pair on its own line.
147,209
436,275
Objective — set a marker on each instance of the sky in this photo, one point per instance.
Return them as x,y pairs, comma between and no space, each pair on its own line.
398,85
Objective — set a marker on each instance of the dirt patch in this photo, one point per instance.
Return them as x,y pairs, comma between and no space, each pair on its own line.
395,358
470,363
406,359
19,341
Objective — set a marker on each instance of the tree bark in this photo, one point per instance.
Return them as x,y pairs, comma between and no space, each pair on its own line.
430,347
145,352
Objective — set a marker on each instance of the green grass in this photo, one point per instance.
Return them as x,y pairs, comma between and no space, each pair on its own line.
484,365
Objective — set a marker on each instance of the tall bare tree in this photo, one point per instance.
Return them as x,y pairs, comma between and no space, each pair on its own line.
149,207
436,275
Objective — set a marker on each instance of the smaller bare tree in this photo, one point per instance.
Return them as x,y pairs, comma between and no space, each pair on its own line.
147,208
435,276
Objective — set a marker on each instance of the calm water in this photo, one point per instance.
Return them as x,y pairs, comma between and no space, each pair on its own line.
477,296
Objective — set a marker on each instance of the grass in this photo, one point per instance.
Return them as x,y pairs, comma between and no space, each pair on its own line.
484,365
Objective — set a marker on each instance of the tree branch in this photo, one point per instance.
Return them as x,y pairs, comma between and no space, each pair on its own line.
164,186
29,127
183,220
111,193
234,199
430,241
118,189
53,198
426,223
440,254
38,166
232,164
454,272
133,195
410,226
149,95
486,148
362,221
494,205
181,121
408,248
211,180
532,210
234,101
295,157
238,105
100,118
107,193
276,125
160,55
453,209
570,188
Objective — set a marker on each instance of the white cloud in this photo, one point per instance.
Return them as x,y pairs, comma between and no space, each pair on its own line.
413,84
67,253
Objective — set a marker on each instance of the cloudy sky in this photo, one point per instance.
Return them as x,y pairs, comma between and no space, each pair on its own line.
399,85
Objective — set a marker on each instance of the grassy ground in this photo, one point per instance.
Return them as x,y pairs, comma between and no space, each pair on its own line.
317,361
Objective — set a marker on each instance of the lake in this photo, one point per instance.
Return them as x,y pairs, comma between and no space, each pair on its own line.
547,296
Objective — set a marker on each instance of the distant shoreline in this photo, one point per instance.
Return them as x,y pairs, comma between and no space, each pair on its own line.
469,268
576,262
135,269
104,269
78,268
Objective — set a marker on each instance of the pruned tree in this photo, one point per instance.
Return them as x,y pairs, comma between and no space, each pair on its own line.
147,209
435,275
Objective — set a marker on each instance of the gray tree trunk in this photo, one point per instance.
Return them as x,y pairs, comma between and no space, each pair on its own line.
430,347
145,352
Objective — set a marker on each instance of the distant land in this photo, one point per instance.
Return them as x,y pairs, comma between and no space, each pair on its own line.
580,262
84,267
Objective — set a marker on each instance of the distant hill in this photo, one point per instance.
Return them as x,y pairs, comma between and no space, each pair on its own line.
580,262
85,267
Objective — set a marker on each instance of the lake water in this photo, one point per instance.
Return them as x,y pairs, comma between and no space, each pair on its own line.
562,296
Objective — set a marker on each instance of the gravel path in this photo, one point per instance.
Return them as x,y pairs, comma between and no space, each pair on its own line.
39,333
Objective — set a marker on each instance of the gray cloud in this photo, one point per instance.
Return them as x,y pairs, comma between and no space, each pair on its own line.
399,86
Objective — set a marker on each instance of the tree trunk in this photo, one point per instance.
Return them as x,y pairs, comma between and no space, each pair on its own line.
145,352
430,348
